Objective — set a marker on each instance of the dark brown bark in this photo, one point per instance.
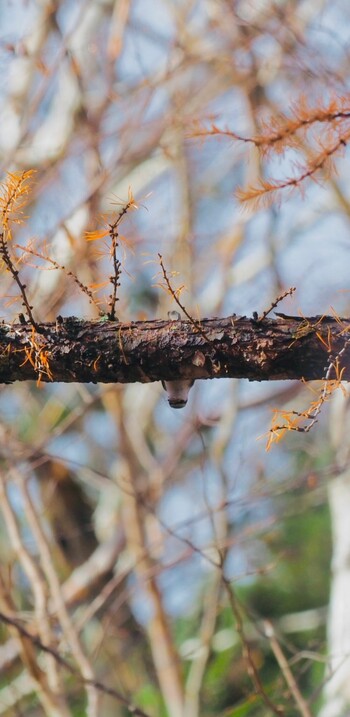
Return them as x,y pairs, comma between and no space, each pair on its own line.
234,347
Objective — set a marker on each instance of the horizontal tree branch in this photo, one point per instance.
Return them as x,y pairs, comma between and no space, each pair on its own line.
72,349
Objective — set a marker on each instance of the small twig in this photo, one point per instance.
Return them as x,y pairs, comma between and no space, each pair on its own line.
332,365
286,671
85,289
111,230
302,118
13,198
265,190
247,652
114,234
289,292
314,410
5,254
114,279
175,295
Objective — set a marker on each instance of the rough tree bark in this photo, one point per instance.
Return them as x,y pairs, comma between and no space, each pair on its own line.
264,349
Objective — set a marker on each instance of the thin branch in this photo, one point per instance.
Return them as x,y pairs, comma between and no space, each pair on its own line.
114,234
280,128
5,255
176,294
304,421
247,652
96,684
85,289
286,671
114,279
46,691
275,303
264,191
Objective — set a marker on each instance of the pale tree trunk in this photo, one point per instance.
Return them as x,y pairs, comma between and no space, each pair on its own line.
337,687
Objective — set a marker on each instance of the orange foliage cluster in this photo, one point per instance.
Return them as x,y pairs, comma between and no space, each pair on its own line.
38,357
318,134
13,199
303,421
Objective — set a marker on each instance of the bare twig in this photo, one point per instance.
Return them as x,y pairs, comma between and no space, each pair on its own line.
247,652
275,303
286,671
175,294
329,386
114,279
5,255
114,234
55,265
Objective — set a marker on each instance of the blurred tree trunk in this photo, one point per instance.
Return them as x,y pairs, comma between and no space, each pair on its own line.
337,686
337,690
